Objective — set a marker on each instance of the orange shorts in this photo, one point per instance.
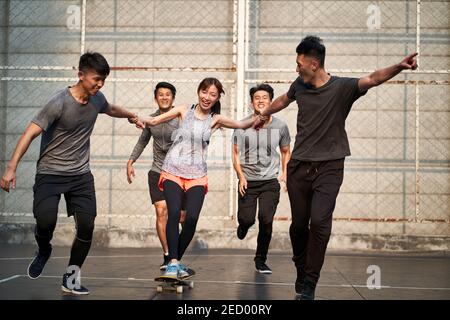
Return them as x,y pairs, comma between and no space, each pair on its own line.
184,184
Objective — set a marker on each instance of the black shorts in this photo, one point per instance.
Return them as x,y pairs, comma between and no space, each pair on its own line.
79,193
155,193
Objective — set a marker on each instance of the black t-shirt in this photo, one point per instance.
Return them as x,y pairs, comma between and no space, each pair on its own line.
321,118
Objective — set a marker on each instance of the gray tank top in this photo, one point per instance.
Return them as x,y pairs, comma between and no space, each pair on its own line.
187,156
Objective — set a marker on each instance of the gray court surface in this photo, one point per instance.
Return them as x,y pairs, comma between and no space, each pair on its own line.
225,274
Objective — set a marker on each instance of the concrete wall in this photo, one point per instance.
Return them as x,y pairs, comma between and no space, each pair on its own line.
380,180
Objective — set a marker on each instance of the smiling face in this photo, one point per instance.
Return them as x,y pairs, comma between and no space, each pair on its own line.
207,97
307,67
261,99
164,98
91,81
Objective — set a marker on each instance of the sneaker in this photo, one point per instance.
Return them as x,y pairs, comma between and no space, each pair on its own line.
37,265
171,270
308,292
241,232
299,282
261,267
165,262
77,290
184,272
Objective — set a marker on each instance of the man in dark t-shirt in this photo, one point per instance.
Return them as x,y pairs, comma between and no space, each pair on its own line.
66,123
315,171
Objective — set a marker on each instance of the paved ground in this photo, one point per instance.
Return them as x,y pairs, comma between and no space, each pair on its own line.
224,274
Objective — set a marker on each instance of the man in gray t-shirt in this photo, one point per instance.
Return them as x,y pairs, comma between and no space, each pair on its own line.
66,129
162,141
316,169
257,163
66,123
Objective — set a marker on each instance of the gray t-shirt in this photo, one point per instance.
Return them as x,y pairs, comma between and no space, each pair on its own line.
162,141
258,154
321,118
187,156
67,126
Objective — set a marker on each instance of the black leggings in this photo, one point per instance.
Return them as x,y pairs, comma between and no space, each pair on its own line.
173,193
84,223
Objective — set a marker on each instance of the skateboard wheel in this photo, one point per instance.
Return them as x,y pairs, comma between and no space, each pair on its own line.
191,285
159,289
179,289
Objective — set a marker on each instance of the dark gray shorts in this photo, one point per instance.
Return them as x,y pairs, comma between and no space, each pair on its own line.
155,194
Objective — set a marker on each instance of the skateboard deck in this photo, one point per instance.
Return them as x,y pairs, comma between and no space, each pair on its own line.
173,284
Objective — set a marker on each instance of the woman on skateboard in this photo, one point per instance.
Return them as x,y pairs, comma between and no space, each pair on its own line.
184,172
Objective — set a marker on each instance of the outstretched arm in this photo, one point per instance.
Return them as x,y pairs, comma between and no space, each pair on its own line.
179,111
382,75
31,132
221,121
278,104
119,112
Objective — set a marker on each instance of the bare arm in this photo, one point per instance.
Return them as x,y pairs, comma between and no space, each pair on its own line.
277,105
30,133
179,111
238,169
285,157
137,151
382,75
119,112
220,121
130,171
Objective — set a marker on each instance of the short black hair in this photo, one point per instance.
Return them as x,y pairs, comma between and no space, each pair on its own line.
262,87
94,61
312,46
166,85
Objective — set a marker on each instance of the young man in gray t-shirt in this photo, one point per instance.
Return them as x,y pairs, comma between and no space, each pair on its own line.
257,163
316,169
66,123
162,141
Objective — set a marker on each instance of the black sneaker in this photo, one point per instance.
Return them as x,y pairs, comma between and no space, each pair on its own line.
166,260
37,265
299,282
77,290
241,232
261,267
308,291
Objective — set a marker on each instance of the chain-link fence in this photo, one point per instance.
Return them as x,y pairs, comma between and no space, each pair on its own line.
397,180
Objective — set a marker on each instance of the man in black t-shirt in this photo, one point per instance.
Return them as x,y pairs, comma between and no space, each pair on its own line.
316,168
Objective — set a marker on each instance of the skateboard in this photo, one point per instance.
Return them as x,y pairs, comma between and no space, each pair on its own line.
173,284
